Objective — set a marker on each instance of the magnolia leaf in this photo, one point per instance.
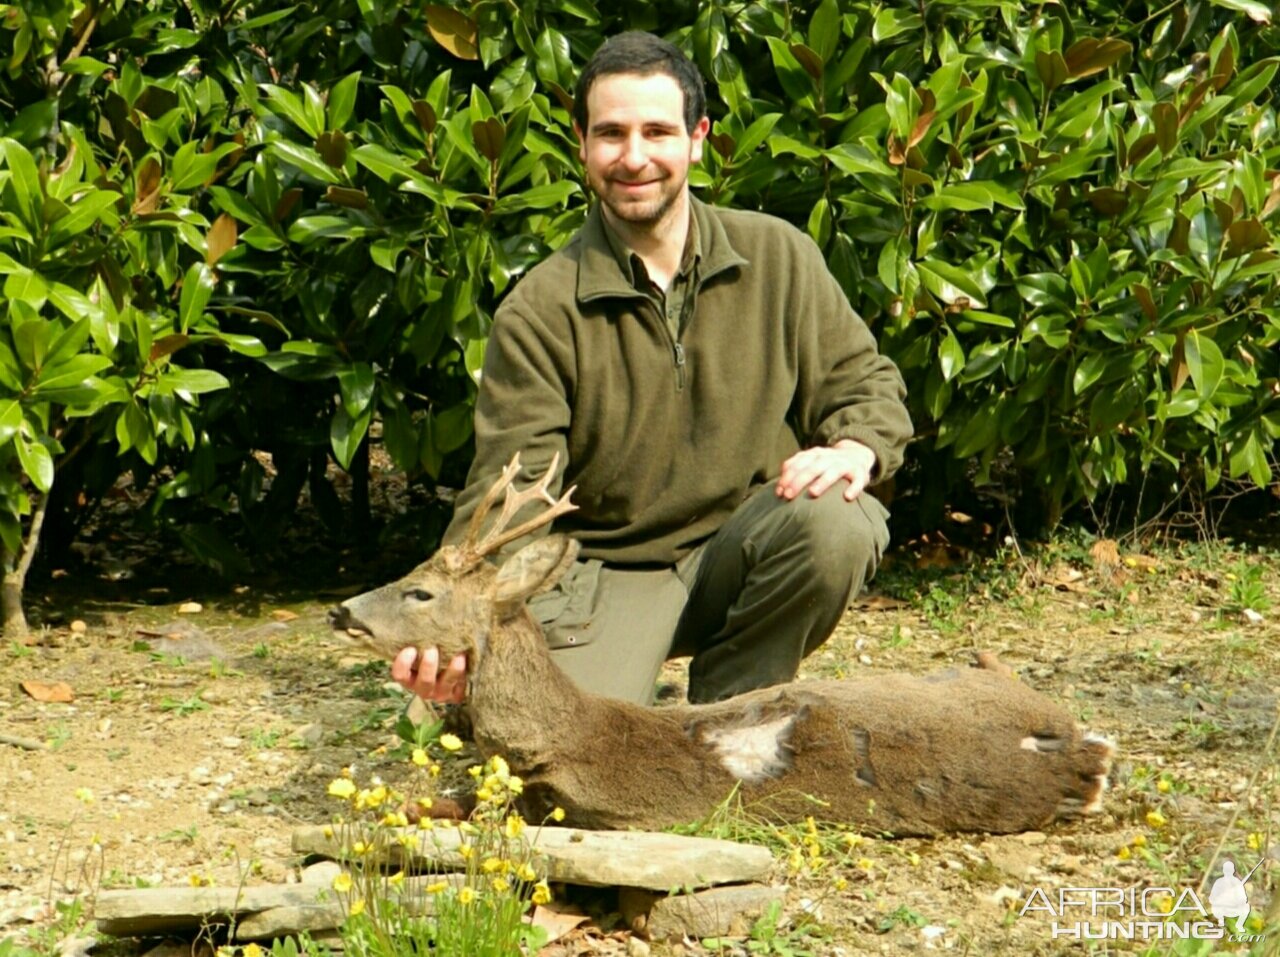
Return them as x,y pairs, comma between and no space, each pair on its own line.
221,239
453,30
1091,55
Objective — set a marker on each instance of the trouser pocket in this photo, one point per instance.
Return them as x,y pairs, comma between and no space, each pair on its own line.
568,611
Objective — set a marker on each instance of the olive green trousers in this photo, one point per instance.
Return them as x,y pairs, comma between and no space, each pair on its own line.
748,604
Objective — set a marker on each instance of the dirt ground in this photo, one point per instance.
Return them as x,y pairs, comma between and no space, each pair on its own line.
206,735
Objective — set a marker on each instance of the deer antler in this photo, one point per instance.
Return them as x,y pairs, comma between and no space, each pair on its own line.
499,534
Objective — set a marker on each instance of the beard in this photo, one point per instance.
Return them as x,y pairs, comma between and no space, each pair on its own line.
644,211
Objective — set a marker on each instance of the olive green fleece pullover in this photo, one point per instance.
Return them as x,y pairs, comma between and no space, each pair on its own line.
666,438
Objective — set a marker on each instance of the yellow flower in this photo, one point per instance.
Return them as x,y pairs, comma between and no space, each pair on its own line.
475,770
84,796
840,883
515,785
1165,903
434,770
342,883
1254,841
396,879
541,893
451,742
420,758
1156,819
1139,840
199,880
357,907
484,793
514,826
327,831
1124,853
526,873
500,885
252,950
465,851
426,824
851,840
466,896
914,859
795,860
557,814
360,847
341,788
437,887
395,819
865,863
500,767
491,864
1164,785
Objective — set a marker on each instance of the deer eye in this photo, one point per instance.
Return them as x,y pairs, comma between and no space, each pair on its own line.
419,594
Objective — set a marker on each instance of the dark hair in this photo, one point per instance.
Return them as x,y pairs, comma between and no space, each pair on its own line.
645,54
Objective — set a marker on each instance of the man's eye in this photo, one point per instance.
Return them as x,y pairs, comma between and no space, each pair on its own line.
419,594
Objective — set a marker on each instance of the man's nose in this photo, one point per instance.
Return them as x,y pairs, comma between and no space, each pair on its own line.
635,157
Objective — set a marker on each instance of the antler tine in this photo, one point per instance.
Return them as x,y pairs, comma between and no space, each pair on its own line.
490,497
499,535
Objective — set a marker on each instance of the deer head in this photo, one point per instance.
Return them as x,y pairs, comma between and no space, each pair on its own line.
457,598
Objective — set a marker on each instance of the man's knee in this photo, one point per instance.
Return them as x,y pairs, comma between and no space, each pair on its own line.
842,541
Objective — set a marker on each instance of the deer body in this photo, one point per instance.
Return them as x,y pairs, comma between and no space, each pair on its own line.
966,750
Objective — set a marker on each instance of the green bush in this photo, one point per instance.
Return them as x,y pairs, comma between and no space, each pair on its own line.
1059,222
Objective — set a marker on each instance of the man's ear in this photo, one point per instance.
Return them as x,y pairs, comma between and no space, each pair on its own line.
582,141
698,136
532,570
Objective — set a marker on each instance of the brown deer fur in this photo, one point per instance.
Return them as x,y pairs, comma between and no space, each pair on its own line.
963,750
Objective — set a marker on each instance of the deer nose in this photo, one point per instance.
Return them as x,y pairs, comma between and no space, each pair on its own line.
340,618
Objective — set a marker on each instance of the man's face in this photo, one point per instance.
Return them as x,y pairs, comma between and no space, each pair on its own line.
636,149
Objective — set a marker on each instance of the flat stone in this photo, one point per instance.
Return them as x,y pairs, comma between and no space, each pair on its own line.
716,912
329,914
154,911
594,858
321,872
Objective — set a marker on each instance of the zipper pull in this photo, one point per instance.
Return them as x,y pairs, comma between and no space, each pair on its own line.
679,354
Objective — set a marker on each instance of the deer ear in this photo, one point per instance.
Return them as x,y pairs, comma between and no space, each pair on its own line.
534,569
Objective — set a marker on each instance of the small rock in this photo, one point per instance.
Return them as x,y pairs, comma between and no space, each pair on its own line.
718,912
198,775
1252,617
76,946
222,780
637,948
1033,838
257,797
1004,895
309,735
231,742
190,608
78,627
322,872
275,872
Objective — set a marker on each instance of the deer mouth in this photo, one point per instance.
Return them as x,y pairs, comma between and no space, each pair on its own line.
344,623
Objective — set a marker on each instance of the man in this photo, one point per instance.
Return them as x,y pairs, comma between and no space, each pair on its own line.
717,402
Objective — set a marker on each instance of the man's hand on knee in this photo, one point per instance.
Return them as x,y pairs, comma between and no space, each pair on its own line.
419,672
819,468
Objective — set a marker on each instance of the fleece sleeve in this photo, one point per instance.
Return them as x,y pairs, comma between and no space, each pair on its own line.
522,407
846,389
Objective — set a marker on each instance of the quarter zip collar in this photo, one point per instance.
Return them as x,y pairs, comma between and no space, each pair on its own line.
600,276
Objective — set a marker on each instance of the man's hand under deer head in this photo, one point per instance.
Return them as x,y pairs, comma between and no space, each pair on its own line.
819,468
419,672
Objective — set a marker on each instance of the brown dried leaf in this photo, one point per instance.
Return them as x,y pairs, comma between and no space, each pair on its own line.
332,147
284,614
556,922
879,603
453,30
1105,553
1165,117
284,206
918,132
59,691
221,239
345,196
490,136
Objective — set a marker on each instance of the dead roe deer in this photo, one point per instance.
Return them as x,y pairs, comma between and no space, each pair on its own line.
964,750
